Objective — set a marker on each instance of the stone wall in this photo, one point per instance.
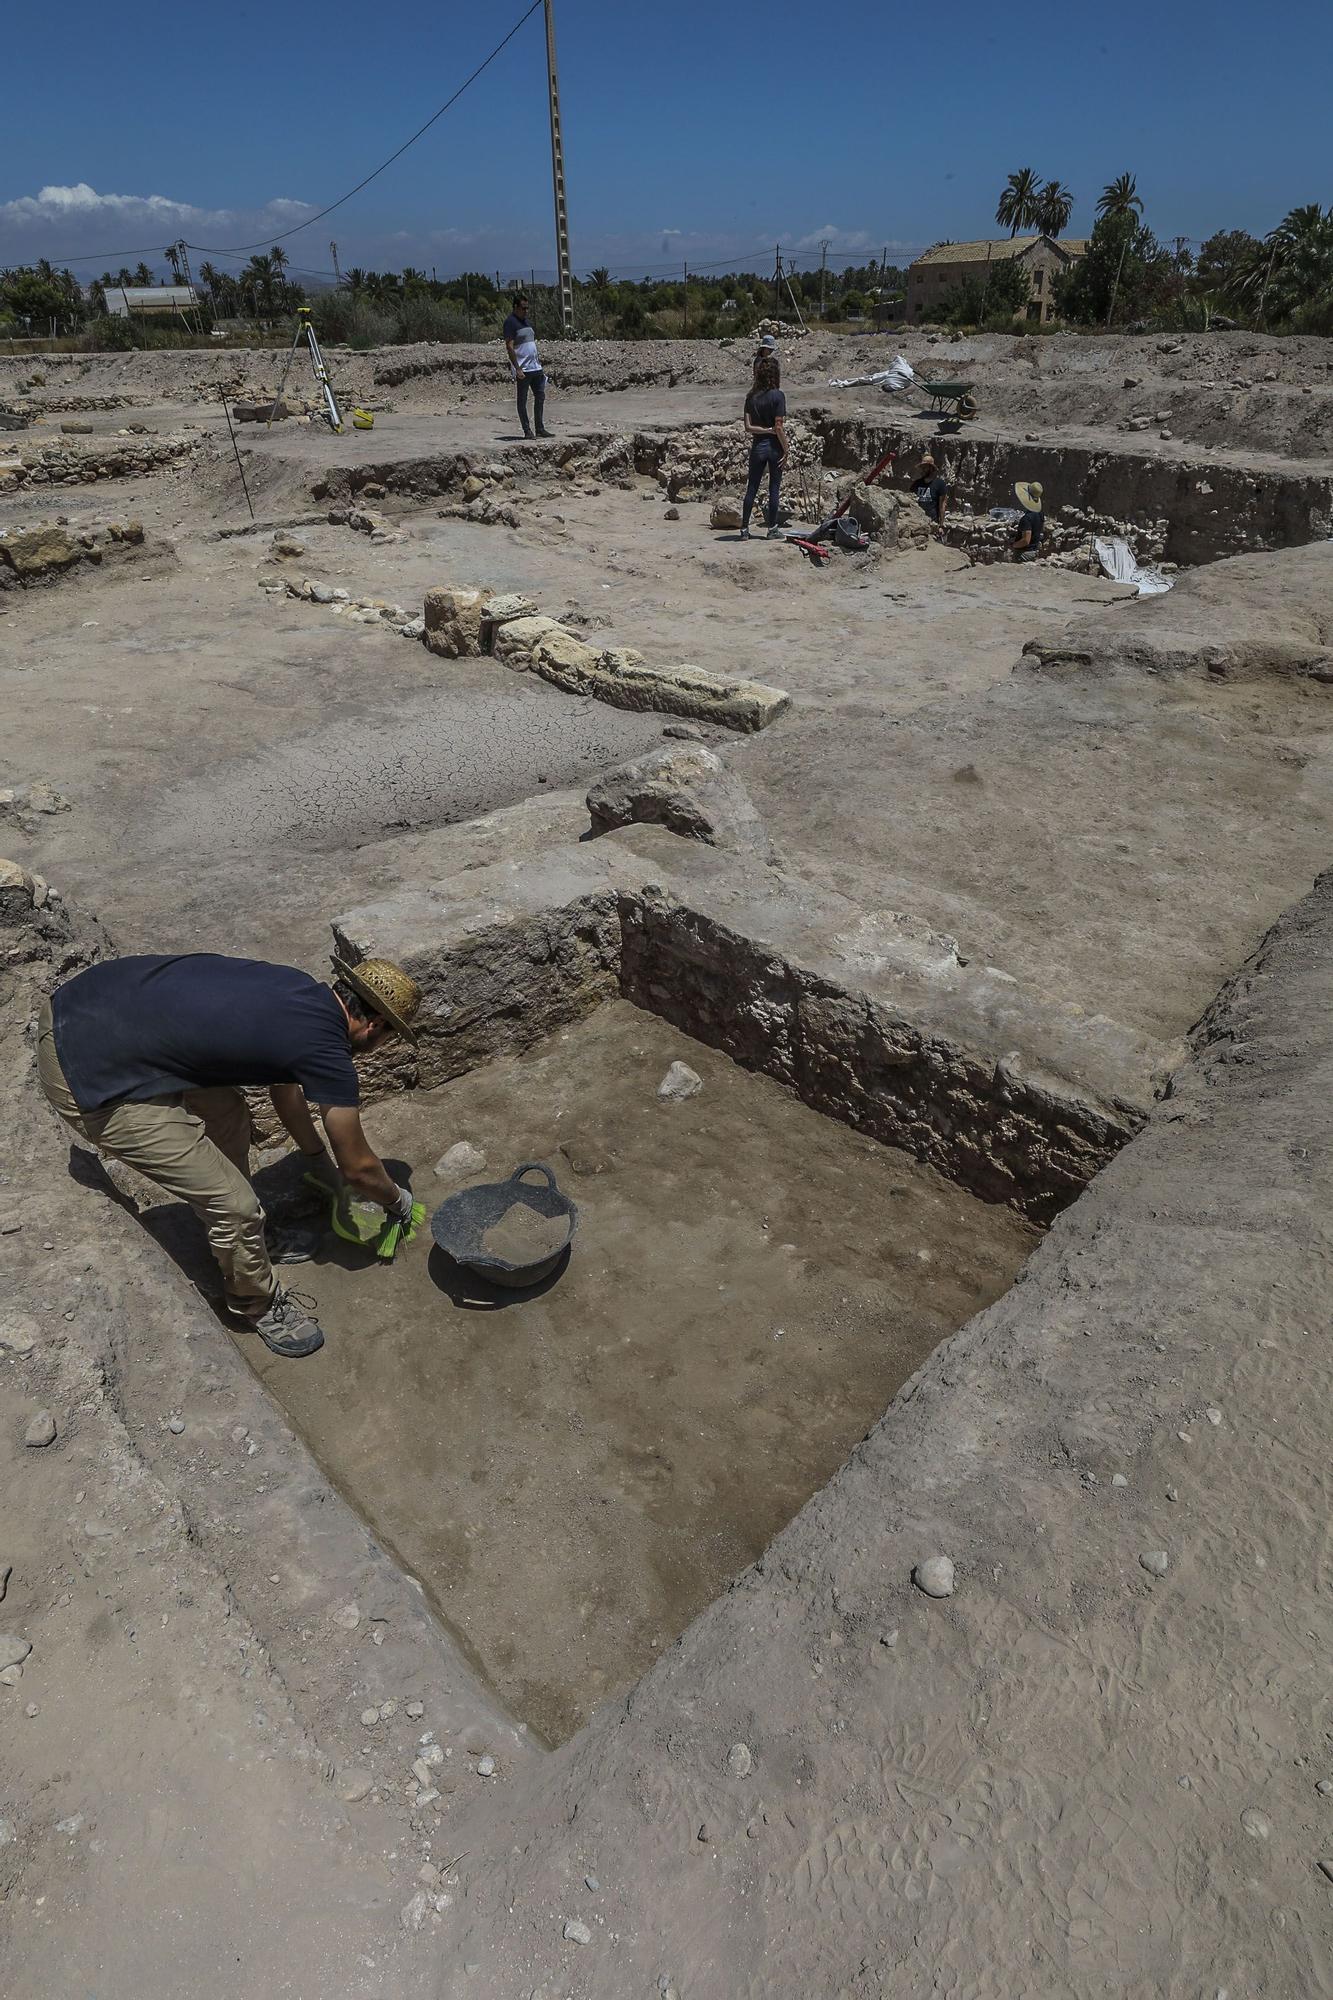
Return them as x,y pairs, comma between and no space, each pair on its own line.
1210,509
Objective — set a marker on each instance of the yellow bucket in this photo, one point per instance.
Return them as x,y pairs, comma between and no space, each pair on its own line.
362,420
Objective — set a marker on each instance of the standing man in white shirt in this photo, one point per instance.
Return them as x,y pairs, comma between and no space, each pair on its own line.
524,365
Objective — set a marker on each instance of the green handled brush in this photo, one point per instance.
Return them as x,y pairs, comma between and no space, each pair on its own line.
395,1232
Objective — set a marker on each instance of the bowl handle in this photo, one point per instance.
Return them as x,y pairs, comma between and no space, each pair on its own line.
535,1167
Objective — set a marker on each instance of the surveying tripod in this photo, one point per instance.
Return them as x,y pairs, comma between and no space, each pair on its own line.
305,331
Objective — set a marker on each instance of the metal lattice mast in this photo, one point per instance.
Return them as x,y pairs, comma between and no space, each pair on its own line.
565,276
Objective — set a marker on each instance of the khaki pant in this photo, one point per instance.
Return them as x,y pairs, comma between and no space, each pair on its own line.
196,1145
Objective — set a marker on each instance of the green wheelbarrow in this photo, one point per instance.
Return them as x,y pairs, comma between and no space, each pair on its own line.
951,399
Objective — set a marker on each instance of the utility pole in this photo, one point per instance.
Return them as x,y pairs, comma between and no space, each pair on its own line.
777,279
337,274
823,272
564,274
686,269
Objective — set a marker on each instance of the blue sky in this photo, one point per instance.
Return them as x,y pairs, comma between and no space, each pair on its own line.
693,131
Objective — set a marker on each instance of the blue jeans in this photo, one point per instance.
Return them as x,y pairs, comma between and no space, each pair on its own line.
537,384
763,452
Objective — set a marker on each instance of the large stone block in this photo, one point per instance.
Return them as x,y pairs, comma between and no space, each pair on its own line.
39,552
686,789
453,622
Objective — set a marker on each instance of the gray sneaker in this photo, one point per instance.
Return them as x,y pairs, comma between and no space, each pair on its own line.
287,1326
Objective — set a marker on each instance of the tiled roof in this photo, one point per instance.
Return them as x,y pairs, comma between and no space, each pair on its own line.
997,248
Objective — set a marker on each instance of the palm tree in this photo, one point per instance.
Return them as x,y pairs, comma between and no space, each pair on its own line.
1018,205
355,280
1120,197
1295,280
141,275
600,279
1120,202
1055,205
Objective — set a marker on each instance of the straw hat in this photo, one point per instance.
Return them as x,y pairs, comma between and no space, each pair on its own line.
1027,492
385,987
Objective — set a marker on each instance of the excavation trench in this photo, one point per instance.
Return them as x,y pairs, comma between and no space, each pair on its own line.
574,1473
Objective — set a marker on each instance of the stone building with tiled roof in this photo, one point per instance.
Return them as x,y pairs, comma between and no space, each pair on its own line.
1042,257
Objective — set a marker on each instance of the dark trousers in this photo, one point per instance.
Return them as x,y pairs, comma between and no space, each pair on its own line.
537,384
763,452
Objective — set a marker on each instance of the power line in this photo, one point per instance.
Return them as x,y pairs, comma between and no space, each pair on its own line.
264,242
238,249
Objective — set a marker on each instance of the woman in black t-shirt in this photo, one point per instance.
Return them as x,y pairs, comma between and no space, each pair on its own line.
765,426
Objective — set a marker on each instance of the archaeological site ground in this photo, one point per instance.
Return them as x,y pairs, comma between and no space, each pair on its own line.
891,1555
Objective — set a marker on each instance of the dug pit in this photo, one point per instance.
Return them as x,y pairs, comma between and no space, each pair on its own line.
575,1472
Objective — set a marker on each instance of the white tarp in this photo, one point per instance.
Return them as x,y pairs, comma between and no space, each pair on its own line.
888,379
1122,567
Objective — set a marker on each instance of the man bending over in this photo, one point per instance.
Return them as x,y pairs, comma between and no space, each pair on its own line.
145,1058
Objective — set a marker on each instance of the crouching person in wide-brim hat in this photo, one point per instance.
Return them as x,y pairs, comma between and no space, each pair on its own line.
146,1059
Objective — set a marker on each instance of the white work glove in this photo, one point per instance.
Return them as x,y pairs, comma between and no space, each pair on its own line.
401,1210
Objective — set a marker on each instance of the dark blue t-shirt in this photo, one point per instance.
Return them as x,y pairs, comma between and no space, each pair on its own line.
763,407
1036,522
148,1027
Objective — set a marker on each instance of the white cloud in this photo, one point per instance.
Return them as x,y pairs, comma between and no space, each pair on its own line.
71,220
837,239
82,203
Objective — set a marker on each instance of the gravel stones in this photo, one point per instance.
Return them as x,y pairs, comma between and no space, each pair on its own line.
1155,1561
359,1785
415,1710
679,1083
13,1650
347,1617
176,1425
935,1576
369,1717
740,1760
1256,1824
575,1932
486,1767
41,1431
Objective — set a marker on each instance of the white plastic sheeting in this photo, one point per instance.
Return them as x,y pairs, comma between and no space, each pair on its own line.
1122,566
890,380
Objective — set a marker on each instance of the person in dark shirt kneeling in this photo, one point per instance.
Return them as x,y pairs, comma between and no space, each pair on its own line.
145,1058
1030,528
932,491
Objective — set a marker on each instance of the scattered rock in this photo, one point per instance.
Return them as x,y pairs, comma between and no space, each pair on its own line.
575,1932
175,1425
473,488
1173,1493
370,1716
41,1430
1214,1416
679,1083
740,1760
1119,1479
347,1617
18,1335
935,1576
356,1787
1255,1823
11,1676
462,1160
672,514
687,732
6,1571
413,1914
1154,1561
591,1884
415,1709
13,1650
724,514
70,1824
1324,1787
